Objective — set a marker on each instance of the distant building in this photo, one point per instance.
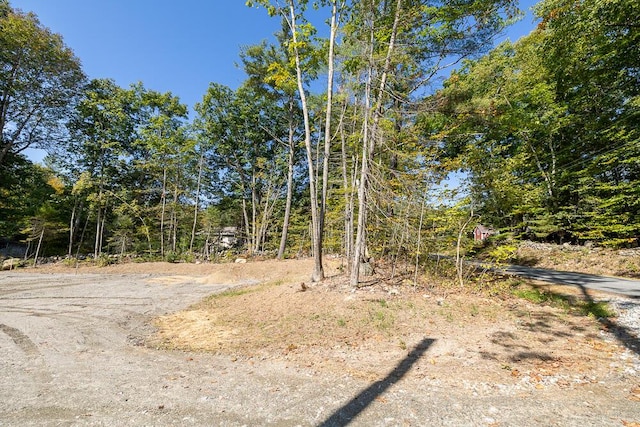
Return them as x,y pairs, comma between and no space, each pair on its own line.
228,237
481,232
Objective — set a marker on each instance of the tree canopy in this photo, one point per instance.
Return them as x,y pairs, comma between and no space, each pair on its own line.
543,132
39,79
547,128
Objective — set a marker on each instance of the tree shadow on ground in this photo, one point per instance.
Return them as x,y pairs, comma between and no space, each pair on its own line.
622,334
627,287
589,306
347,413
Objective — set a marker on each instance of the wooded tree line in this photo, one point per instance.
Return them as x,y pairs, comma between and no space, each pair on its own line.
548,127
545,131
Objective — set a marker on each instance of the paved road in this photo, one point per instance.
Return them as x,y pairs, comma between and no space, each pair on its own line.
628,287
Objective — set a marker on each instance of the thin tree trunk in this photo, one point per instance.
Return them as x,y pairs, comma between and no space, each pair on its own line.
164,206
72,227
415,274
358,249
35,260
291,164
124,245
197,206
347,187
26,251
84,230
174,220
104,220
97,247
205,250
459,259
247,225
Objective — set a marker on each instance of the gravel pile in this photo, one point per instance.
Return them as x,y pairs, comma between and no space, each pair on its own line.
628,321
628,315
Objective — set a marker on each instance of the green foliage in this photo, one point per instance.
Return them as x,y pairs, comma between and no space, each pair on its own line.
104,261
502,254
544,130
40,78
382,315
24,189
171,257
599,310
543,157
585,307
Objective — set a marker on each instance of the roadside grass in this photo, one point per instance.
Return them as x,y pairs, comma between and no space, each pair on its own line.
568,303
281,317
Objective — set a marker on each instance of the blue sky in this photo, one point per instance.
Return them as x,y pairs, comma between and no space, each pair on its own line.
169,46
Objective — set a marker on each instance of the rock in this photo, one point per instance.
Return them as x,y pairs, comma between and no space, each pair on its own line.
241,261
366,269
11,263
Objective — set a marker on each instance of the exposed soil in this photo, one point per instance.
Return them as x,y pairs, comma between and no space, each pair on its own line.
386,354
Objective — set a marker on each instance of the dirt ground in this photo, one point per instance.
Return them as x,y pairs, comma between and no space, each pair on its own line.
256,344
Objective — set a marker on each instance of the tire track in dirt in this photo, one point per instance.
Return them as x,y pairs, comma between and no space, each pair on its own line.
30,349
22,341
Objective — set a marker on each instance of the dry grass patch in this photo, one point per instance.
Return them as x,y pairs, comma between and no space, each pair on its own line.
365,332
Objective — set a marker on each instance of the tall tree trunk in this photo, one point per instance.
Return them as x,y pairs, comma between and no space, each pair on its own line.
348,184
368,144
422,206
247,225
327,127
205,250
318,271
26,251
97,247
459,257
266,216
254,214
104,221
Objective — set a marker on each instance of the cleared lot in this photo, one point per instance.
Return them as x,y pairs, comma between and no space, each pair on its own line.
72,355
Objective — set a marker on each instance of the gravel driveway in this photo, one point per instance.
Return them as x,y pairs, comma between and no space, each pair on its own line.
71,355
